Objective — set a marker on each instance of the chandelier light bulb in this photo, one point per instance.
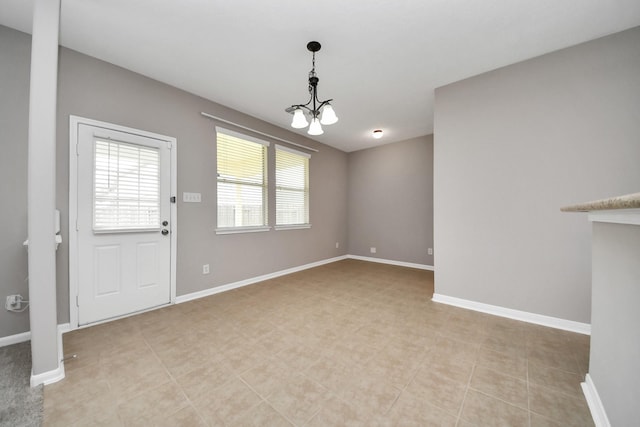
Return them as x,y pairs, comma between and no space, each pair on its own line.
315,128
377,134
299,120
328,115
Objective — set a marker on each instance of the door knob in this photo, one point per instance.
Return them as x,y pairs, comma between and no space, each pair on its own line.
165,223
165,232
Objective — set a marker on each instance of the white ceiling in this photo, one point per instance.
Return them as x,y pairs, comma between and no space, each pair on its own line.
380,59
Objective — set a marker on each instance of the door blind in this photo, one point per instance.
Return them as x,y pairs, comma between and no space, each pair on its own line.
126,187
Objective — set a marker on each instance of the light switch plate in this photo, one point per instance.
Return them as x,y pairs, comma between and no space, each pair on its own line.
191,197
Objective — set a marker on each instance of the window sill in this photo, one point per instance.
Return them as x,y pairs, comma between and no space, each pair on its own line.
292,227
238,230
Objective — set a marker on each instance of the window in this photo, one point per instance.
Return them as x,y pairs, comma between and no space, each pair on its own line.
292,188
242,182
126,187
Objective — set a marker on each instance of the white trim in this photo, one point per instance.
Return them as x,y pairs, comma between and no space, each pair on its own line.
124,316
239,135
63,328
251,281
257,131
15,339
57,374
618,216
48,377
238,230
392,262
292,151
173,210
291,227
598,413
74,122
538,319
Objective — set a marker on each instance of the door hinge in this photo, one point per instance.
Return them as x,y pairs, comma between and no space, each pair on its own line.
172,199
77,150
77,301
77,229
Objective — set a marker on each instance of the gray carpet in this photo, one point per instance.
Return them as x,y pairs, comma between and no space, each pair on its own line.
20,405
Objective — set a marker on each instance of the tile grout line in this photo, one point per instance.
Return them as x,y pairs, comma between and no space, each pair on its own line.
466,391
264,399
366,300
173,379
528,392
413,376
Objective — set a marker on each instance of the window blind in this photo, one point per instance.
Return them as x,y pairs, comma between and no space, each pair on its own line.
126,186
242,180
292,186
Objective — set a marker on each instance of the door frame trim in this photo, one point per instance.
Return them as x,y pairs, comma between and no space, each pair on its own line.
74,123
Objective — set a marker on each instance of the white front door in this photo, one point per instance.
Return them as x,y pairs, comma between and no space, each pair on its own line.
123,219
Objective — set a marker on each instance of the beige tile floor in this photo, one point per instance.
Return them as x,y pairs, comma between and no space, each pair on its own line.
346,344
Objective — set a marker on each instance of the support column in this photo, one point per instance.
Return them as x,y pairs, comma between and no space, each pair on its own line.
46,366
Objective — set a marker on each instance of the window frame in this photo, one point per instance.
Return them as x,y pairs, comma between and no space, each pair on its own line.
307,190
264,186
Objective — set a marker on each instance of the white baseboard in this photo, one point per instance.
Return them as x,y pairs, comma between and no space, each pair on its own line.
48,377
252,280
57,374
598,413
63,328
538,319
392,262
15,339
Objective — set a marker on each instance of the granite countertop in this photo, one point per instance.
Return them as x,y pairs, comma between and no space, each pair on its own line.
628,201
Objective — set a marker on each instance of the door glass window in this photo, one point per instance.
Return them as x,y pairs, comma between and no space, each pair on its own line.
126,187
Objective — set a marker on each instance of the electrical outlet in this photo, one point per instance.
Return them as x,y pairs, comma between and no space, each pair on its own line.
337,245
205,269
373,250
430,251
13,302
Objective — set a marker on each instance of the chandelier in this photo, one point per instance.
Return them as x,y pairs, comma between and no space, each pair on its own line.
320,112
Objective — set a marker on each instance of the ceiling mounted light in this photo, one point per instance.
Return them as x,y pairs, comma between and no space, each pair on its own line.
377,134
320,112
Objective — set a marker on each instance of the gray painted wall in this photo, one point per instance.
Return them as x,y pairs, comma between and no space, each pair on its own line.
97,90
391,201
514,145
15,60
615,339
101,91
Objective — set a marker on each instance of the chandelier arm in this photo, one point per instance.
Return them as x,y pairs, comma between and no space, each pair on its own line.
314,105
305,106
323,103
311,110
